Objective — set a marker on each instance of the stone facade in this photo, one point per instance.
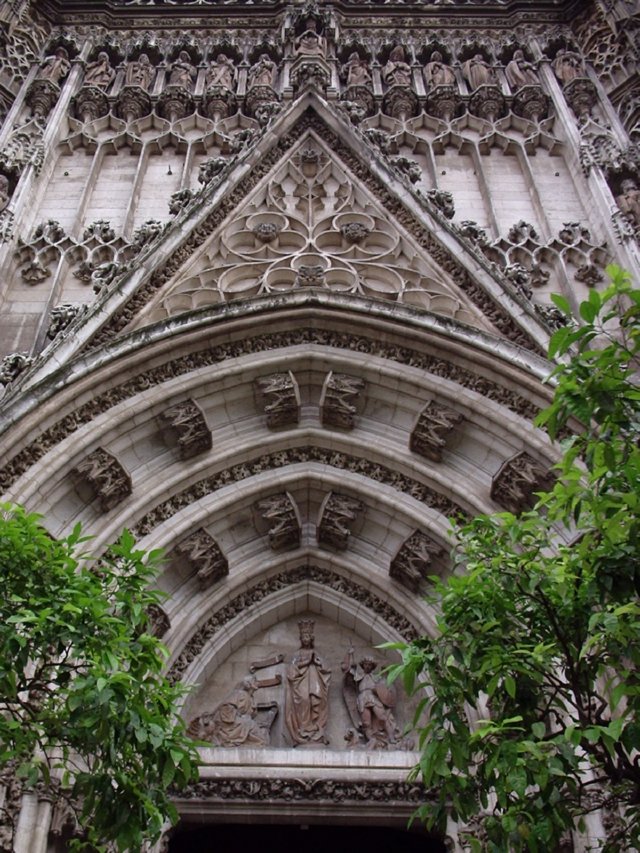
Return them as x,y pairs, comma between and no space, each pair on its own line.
276,296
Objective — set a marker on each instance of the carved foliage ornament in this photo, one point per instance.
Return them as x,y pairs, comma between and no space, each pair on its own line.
106,476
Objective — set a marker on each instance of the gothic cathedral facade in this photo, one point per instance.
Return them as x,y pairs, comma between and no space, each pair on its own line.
275,296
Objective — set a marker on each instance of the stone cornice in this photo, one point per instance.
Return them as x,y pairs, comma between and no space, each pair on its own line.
189,13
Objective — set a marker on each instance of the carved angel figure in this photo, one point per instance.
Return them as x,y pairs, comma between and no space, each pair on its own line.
307,691
99,73
183,73
311,43
263,72
437,72
222,72
140,72
520,72
356,71
55,67
568,65
478,72
369,701
397,72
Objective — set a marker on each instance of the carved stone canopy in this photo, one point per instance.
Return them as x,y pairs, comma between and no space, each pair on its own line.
413,562
106,476
204,555
516,483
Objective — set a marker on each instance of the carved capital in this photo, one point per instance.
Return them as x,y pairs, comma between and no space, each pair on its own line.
487,102
281,514
205,557
412,563
582,96
133,103
339,400
90,104
187,422
106,476
517,481
337,516
175,103
280,398
434,426
400,102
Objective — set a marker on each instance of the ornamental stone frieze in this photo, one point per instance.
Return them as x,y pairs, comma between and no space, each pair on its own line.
433,429
515,485
187,426
413,563
205,557
108,479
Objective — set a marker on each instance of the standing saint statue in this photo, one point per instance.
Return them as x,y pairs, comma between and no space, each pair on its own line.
356,71
372,711
397,72
478,72
99,73
520,72
311,43
568,65
222,72
437,72
55,67
140,72
307,691
263,72
183,73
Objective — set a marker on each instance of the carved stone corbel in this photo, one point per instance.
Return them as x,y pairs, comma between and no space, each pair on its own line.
106,476
339,400
187,421
517,481
338,513
203,553
434,426
159,622
281,514
280,397
412,563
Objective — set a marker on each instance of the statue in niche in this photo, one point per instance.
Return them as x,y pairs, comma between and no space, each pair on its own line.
140,72
238,720
568,65
5,194
397,72
311,43
356,71
55,67
307,691
628,201
263,72
183,73
222,72
478,72
520,72
99,73
437,72
370,702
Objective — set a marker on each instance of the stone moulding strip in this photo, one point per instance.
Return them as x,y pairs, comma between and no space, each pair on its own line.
294,456
309,121
241,603
185,364
305,790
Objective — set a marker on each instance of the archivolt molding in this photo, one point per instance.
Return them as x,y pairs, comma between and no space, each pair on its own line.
45,436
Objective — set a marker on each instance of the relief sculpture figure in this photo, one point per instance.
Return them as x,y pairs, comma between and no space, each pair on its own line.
311,43
307,691
568,65
55,67
356,71
235,721
183,73
140,72
628,201
478,72
370,701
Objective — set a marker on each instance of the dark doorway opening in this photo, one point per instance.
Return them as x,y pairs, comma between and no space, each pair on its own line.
313,839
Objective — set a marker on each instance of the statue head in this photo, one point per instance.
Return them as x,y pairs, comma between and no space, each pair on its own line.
103,56
354,57
436,56
306,629
628,185
143,59
368,664
518,54
397,54
221,59
183,56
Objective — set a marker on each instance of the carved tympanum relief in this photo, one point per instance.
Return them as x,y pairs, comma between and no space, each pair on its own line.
304,683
